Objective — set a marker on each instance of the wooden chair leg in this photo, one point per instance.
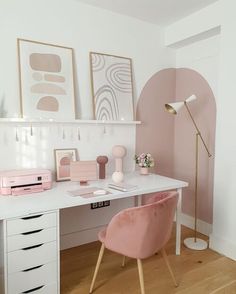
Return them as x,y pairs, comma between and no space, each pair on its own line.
97,267
123,261
140,272
168,266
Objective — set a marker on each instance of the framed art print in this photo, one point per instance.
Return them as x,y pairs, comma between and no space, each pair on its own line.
46,80
112,86
63,158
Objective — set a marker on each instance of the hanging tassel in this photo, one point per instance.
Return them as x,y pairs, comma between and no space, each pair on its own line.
31,130
63,134
16,136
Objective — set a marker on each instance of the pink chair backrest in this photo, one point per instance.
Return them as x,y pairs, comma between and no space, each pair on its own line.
154,197
139,232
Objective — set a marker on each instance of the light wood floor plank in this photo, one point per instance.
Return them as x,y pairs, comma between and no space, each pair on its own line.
197,272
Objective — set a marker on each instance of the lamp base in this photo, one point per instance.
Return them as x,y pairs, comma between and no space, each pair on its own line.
199,244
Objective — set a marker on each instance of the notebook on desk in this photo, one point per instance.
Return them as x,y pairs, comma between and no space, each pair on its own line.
122,187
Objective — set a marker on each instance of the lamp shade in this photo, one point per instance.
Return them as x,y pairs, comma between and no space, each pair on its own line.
174,107
191,98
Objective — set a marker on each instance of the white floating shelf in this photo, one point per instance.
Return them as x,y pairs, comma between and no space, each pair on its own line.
75,121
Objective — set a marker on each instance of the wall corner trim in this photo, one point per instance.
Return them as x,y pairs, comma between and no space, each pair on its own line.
223,246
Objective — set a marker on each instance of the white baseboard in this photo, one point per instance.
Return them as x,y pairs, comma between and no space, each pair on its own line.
202,227
223,246
79,238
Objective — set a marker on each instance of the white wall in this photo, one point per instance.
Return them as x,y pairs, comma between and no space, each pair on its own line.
223,238
84,28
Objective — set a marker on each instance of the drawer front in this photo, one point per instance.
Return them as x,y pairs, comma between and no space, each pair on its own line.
33,281
31,223
30,257
27,239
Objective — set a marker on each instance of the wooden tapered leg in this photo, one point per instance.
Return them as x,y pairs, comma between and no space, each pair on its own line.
140,272
168,266
97,267
123,261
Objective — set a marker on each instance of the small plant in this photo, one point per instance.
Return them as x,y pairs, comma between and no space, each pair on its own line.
144,160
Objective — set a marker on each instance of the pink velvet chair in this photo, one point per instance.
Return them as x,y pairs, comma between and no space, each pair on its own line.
139,232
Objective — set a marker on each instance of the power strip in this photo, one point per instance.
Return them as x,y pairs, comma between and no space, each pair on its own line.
100,204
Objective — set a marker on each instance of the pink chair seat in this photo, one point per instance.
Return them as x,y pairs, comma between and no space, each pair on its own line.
139,232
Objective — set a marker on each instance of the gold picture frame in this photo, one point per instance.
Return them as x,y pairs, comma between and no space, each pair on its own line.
46,80
112,87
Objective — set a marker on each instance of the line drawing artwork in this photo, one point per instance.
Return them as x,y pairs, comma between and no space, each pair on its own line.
112,86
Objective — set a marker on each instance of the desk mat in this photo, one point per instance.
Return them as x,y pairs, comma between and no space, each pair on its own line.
87,192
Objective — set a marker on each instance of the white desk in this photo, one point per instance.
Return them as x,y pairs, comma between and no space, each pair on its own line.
44,208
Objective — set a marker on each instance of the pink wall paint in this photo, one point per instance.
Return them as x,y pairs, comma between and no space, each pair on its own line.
156,133
171,138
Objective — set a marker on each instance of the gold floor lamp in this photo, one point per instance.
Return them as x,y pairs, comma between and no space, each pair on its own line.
192,243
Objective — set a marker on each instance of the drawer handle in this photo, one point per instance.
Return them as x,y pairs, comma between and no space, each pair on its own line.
31,232
32,268
30,217
32,247
32,290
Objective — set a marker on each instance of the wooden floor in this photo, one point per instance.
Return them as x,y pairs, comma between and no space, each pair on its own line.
197,272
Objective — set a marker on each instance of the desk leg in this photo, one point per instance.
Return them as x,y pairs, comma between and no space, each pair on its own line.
178,223
138,200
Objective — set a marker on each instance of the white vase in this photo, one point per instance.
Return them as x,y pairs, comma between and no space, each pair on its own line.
144,171
117,177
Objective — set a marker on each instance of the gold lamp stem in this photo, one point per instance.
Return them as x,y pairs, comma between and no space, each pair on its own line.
196,188
197,129
198,135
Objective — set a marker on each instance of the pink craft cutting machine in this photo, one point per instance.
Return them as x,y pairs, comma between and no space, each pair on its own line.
19,182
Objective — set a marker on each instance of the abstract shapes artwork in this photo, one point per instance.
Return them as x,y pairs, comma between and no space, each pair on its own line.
48,103
63,159
46,80
112,86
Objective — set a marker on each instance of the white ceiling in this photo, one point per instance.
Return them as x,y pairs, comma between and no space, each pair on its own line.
160,12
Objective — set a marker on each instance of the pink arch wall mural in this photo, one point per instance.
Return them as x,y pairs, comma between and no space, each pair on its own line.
171,138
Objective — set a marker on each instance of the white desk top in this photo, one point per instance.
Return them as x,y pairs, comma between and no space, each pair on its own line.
58,197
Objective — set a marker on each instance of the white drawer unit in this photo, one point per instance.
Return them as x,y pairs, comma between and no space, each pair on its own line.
32,279
32,256
31,238
31,223
30,259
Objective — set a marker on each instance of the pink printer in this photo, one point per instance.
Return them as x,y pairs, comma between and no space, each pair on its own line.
26,181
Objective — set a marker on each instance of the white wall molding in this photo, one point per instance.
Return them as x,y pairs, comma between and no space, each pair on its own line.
202,22
202,227
196,38
220,245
